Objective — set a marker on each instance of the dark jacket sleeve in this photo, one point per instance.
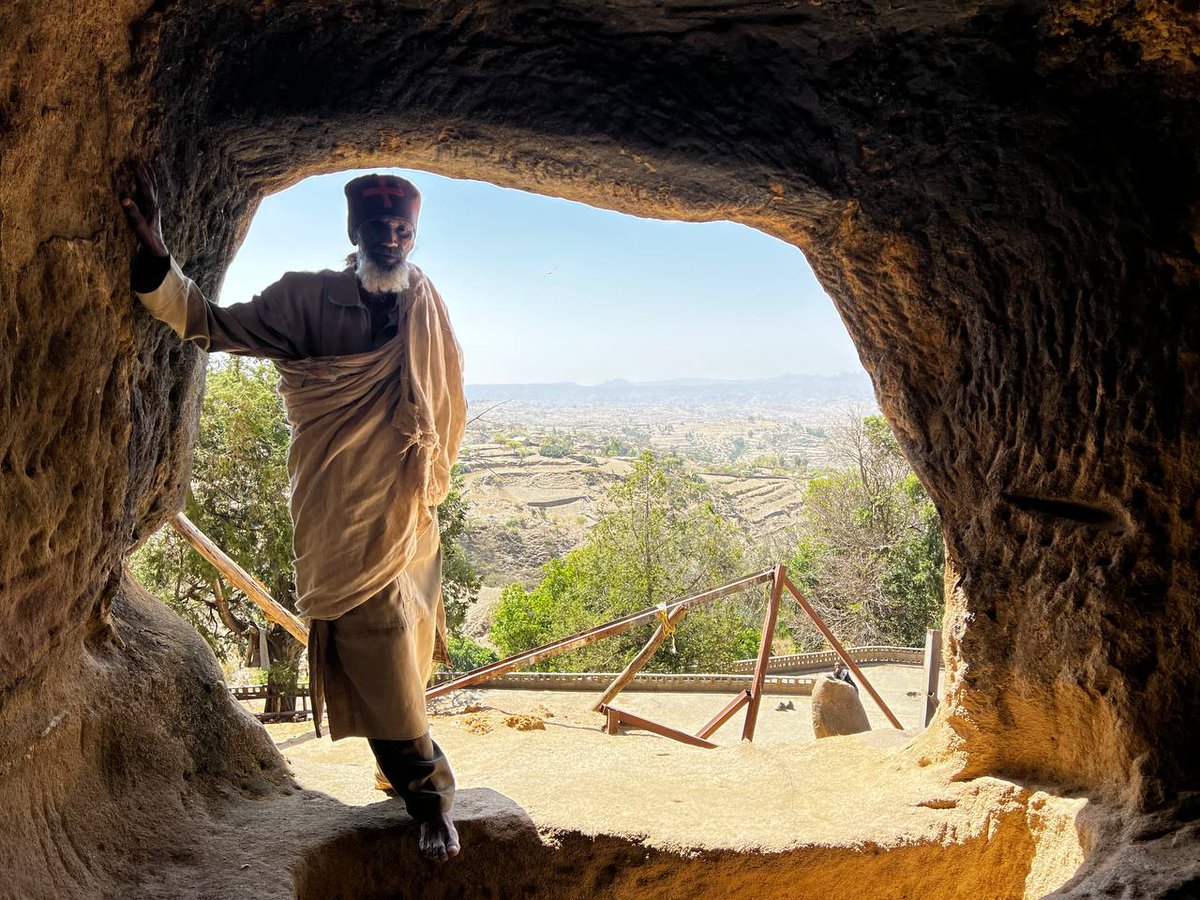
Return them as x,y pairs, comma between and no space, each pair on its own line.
271,325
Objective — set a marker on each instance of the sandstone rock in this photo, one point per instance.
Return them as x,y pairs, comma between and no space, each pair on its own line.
836,708
1001,198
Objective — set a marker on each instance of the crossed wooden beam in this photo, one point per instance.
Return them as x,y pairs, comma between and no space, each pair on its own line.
667,615
752,698
240,578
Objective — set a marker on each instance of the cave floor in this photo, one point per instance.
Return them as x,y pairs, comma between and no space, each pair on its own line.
566,811
872,796
570,775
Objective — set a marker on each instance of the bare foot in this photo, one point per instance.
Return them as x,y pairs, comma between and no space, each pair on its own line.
439,839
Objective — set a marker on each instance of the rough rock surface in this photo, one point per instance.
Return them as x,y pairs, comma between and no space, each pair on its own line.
836,709
1002,197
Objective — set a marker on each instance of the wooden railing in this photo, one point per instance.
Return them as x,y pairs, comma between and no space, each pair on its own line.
299,695
667,615
794,686
697,683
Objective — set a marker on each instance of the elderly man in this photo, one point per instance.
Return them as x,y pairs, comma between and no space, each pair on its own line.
841,673
371,375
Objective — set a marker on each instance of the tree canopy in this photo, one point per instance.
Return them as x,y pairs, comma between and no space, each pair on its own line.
868,546
238,497
867,549
660,537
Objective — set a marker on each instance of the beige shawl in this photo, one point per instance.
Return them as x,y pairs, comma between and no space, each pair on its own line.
374,437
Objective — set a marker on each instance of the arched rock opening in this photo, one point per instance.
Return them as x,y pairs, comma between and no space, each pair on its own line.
1002,200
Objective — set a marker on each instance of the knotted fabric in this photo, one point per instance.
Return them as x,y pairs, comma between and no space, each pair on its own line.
374,438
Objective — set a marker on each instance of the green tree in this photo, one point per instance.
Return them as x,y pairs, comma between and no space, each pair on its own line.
238,497
526,619
556,446
616,447
659,538
868,547
460,580
737,446
466,654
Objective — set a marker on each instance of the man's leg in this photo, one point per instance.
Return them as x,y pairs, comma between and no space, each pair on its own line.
421,775
377,666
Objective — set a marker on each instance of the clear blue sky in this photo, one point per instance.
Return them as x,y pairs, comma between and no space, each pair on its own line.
542,289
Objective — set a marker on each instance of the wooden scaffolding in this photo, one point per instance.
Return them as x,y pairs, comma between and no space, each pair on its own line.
667,615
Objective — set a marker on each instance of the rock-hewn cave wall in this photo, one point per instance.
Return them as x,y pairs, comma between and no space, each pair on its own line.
1002,198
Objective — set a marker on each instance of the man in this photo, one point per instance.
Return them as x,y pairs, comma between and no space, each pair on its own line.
371,375
841,673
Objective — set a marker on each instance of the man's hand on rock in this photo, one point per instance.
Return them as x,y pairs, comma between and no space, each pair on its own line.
144,214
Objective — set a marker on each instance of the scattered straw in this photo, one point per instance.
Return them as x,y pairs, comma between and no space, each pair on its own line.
477,724
525,722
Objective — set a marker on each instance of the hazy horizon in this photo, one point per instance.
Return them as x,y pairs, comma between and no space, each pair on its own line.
682,379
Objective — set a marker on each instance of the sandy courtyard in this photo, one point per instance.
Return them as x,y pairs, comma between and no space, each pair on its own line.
783,794
486,752
572,775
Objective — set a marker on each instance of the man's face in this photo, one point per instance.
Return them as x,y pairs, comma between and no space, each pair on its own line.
387,241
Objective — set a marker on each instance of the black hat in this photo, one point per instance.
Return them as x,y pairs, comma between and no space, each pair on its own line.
379,196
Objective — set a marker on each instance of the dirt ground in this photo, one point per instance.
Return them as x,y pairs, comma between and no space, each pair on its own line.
486,753
784,793
473,739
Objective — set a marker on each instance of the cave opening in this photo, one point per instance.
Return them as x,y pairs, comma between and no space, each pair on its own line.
1047,856
780,319
1000,198
604,295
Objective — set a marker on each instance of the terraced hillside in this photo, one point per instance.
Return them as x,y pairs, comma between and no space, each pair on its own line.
527,508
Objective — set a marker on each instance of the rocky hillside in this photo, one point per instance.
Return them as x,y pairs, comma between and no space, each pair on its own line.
527,508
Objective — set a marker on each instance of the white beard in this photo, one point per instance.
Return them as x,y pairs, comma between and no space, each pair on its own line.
377,280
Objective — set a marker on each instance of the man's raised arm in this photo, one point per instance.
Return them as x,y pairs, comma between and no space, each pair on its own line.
260,327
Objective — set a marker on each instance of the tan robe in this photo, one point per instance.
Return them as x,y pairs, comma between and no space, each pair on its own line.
375,435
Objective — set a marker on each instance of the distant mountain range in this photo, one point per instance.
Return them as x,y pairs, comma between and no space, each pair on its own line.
782,389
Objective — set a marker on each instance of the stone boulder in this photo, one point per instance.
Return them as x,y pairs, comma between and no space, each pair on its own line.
836,708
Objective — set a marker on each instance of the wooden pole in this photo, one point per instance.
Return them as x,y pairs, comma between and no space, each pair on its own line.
764,652
617,717
590,636
643,657
933,669
841,651
724,715
243,580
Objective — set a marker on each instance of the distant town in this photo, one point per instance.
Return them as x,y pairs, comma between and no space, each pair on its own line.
775,423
